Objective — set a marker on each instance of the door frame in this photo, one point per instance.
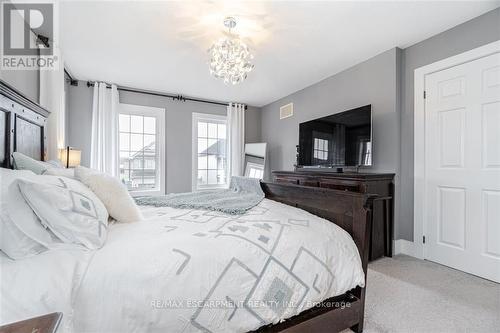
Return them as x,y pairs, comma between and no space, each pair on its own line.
419,183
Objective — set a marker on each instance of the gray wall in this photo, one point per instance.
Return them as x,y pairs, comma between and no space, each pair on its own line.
79,117
386,82
178,132
26,81
374,82
469,35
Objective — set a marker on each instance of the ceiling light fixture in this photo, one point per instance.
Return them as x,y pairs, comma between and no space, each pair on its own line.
230,57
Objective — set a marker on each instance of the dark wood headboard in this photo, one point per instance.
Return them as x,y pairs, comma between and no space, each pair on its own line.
22,126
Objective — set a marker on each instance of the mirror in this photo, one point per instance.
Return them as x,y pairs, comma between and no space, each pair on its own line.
255,160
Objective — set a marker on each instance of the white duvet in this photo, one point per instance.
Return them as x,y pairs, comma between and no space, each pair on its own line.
188,271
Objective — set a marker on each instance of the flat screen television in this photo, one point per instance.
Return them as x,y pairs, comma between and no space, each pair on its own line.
339,140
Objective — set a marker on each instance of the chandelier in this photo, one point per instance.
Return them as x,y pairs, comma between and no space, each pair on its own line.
230,57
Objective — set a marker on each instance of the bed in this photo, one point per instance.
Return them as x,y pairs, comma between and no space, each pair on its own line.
191,271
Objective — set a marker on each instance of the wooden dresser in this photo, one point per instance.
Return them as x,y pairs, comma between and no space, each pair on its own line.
380,184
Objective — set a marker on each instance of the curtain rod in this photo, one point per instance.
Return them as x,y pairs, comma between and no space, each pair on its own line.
154,93
72,81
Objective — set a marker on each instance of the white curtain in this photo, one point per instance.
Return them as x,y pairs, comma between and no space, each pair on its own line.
52,97
104,154
236,138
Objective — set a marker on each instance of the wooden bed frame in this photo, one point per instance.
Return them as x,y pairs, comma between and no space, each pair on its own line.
353,213
23,129
22,126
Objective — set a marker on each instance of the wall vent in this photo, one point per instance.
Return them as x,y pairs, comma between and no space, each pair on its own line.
286,111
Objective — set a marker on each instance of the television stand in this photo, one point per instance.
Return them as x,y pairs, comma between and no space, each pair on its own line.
380,184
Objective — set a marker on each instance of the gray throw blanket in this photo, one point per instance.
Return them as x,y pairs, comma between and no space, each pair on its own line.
243,194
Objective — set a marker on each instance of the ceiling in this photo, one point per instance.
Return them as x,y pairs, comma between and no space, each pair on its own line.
162,46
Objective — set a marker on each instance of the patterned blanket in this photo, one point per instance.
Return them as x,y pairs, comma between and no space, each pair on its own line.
243,194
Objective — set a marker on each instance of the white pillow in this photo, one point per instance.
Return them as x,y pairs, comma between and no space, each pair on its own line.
21,234
69,209
23,162
83,172
112,193
69,173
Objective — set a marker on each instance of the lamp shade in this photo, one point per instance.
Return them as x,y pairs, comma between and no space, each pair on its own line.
70,157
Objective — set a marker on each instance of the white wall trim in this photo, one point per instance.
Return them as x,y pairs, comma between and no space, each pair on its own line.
419,138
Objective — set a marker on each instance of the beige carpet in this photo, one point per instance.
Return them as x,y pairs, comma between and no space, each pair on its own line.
410,295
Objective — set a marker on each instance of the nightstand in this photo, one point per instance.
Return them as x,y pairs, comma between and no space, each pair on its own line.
43,324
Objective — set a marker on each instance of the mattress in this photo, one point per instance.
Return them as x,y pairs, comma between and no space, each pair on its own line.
192,270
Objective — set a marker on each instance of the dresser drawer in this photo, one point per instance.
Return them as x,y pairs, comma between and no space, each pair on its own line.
309,182
340,185
287,180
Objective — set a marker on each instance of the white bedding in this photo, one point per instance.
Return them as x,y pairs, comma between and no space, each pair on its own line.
191,271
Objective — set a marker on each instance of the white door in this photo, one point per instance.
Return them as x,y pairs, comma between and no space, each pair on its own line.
462,167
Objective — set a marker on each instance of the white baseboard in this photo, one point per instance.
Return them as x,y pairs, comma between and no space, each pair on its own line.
403,246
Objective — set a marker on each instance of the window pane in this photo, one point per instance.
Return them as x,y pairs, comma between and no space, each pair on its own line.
202,177
221,147
212,146
212,162
125,176
148,140
149,178
212,130
202,161
124,155
221,176
202,129
221,163
221,131
136,162
149,163
124,141
136,144
150,125
124,122
212,177
202,146
136,124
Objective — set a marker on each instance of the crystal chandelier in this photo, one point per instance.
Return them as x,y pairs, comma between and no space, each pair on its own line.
230,57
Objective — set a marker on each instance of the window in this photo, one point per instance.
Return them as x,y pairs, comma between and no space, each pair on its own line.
142,149
320,149
209,151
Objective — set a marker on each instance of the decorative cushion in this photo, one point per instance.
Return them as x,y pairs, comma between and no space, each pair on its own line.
112,193
23,162
69,209
21,234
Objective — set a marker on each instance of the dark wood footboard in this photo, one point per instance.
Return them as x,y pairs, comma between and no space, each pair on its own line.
352,212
